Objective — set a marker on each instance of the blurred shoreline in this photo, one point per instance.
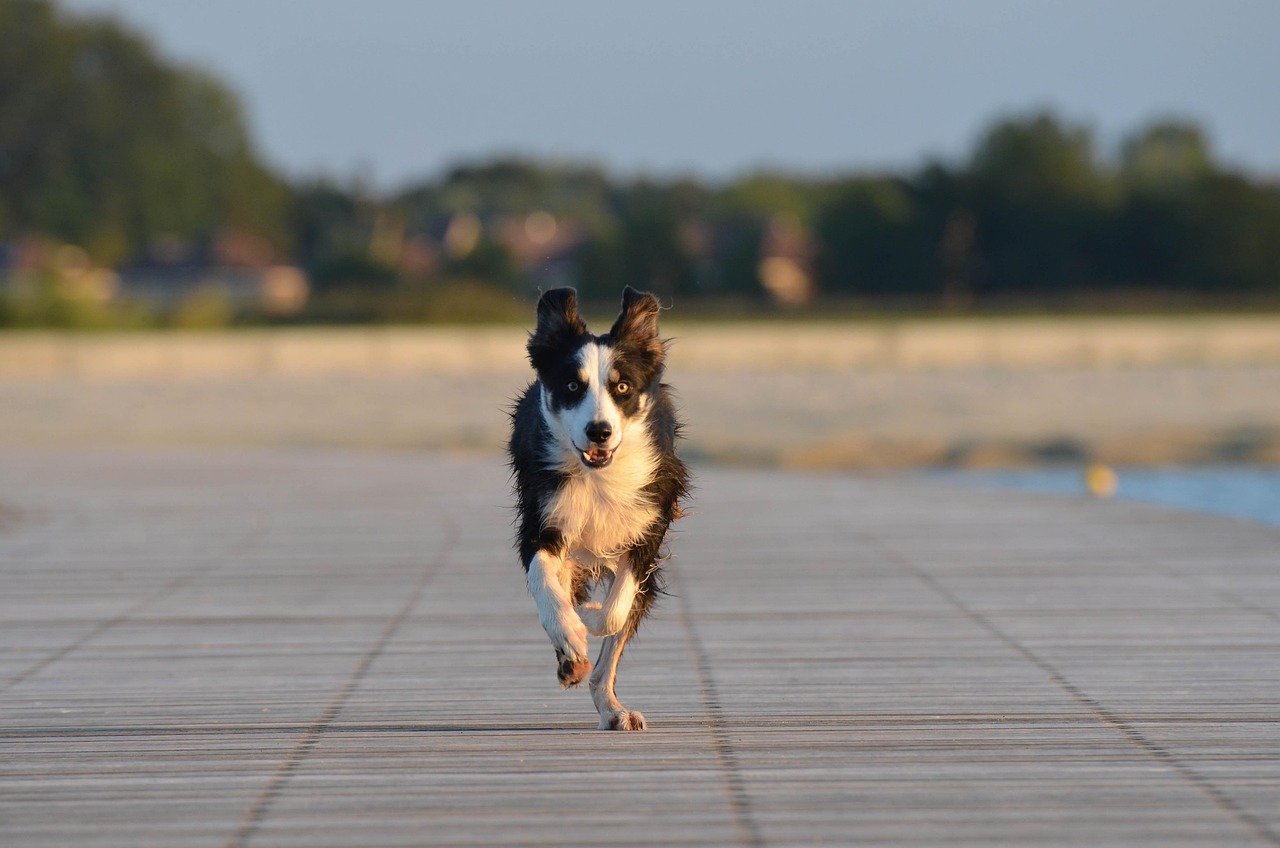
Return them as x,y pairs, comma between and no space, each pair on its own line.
967,393
1242,492
903,343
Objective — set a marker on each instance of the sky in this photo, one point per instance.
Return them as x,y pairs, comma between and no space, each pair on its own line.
396,91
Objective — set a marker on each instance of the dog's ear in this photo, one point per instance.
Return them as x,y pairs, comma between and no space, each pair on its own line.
636,330
558,323
639,319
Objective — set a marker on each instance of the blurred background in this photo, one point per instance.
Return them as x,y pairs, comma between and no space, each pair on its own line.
991,234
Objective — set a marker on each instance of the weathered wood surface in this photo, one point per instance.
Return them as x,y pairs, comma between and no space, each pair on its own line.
326,648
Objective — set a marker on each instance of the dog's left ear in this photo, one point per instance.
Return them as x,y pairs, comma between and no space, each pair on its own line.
639,319
636,330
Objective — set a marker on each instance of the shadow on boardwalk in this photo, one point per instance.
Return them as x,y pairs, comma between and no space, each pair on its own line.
336,648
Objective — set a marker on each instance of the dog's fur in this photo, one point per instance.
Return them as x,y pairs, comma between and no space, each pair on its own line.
597,483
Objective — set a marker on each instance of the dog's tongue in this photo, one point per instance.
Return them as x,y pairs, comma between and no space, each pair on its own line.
598,454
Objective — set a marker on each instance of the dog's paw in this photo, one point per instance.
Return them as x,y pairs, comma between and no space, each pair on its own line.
571,670
623,720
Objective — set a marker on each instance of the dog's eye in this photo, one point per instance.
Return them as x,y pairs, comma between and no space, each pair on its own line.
573,386
623,387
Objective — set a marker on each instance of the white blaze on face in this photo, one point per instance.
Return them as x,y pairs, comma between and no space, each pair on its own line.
595,367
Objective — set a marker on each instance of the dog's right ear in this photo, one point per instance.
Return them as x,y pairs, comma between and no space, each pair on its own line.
558,323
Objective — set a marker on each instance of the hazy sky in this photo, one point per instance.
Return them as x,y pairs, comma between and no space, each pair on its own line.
399,89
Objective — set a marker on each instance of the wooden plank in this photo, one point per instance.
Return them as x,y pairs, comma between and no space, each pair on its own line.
332,648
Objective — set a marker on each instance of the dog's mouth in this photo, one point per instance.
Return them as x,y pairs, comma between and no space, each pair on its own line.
597,457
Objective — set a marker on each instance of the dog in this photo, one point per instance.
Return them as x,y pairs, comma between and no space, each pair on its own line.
597,484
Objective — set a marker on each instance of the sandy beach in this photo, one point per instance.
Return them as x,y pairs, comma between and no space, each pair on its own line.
978,393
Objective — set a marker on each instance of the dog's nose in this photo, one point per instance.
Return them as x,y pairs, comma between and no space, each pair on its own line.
599,431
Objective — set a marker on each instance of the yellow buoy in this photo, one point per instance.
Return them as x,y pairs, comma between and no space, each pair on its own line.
1100,480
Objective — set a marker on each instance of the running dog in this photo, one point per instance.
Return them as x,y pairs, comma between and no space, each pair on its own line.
597,484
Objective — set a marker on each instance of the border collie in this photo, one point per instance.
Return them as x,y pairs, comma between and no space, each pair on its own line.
597,483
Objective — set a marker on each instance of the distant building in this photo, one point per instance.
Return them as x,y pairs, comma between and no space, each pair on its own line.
545,247
786,262
234,267
237,266
274,290
29,264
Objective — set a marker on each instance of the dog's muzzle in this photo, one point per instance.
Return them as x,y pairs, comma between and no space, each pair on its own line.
597,457
598,434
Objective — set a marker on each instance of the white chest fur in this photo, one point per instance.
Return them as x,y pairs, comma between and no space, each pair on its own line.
605,510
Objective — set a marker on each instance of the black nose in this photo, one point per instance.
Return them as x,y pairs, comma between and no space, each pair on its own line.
599,431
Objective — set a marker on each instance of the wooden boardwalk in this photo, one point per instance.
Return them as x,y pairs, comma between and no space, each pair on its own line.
272,648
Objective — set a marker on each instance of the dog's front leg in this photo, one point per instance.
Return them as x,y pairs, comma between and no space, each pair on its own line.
549,577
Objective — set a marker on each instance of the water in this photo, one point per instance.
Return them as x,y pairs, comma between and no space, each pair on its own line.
1236,491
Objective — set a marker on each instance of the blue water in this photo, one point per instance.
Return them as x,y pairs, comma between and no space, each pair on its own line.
1238,492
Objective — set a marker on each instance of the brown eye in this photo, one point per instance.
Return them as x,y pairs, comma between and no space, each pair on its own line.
623,387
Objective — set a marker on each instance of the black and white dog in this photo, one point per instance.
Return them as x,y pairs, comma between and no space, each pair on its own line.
597,483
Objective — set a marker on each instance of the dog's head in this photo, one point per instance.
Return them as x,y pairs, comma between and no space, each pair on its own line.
596,389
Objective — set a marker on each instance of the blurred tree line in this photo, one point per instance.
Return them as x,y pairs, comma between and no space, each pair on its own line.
136,161
104,144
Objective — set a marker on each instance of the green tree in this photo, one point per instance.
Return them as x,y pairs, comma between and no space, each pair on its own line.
1186,224
1237,235
1041,202
766,195
870,240
328,222
104,144
1167,153
487,262
511,187
652,255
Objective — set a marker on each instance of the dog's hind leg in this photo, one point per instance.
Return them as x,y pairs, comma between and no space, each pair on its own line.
549,582
637,584
609,616
613,716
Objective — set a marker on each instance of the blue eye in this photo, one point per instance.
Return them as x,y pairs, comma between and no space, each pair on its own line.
573,386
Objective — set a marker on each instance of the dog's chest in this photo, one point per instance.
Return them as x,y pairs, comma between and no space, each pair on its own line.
602,513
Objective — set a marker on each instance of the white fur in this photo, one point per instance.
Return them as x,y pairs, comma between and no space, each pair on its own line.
595,369
601,510
607,615
613,715
549,584
605,510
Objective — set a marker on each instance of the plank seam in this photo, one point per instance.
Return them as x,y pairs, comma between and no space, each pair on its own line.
206,565
1105,716
736,796
1197,583
256,812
